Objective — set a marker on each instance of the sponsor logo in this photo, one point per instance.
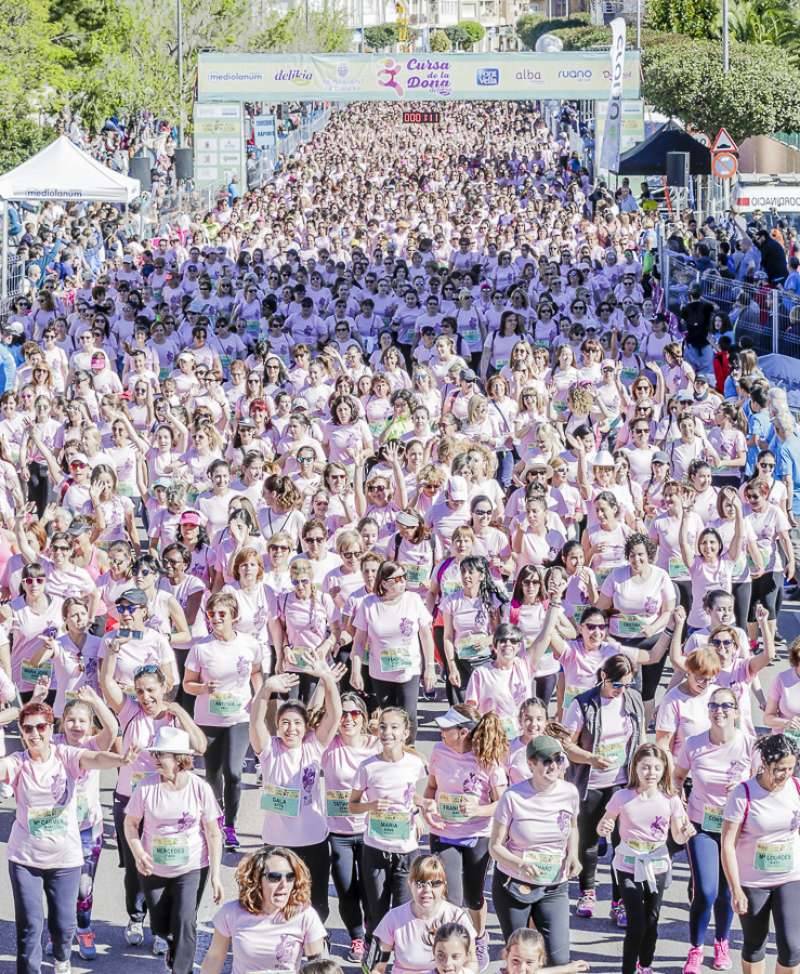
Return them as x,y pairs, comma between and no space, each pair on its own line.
527,75
487,77
295,76
576,74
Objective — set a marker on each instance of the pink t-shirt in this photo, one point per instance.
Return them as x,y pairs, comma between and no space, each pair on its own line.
45,832
576,597
768,847
616,731
501,690
705,577
262,942
580,665
459,775
74,668
394,830
291,796
683,715
409,938
393,635
643,824
469,619
665,531
27,627
305,621
785,692
172,832
517,767
637,601
152,648
229,664
538,823
339,765
715,770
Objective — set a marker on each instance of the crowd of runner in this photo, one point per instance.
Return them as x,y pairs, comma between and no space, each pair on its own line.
411,420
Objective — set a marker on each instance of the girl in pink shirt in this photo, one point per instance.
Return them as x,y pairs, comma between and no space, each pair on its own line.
466,778
503,684
683,712
291,768
649,812
532,722
761,854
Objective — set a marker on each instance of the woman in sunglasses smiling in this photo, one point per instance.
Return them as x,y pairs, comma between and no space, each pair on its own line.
45,854
717,760
271,925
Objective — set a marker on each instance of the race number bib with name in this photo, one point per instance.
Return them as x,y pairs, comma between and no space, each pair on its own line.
48,821
31,673
225,704
677,568
548,865
451,807
281,801
395,659
170,851
390,826
629,625
774,857
336,802
712,818
612,751
416,575
474,646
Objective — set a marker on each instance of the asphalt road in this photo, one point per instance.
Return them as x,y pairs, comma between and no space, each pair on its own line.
596,940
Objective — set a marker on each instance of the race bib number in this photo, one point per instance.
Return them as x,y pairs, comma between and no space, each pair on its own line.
559,407
377,427
677,568
416,575
395,659
614,752
471,336
170,851
569,695
31,673
578,611
712,818
628,373
629,625
48,821
601,574
225,704
281,801
336,803
510,726
253,326
296,658
451,807
774,857
390,826
475,646
548,865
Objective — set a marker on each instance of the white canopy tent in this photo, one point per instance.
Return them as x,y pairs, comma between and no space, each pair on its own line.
62,171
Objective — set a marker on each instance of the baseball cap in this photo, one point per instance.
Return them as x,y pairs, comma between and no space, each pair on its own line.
133,596
457,488
543,747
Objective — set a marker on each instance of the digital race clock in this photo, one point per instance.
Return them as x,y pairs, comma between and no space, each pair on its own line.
417,118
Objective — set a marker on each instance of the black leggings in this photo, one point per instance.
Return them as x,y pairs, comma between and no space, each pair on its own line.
38,486
779,903
135,904
543,687
742,595
173,904
550,914
592,809
346,851
465,670
765,590
466,869
318,859
385,877
403,695
651,673
224,756
642,908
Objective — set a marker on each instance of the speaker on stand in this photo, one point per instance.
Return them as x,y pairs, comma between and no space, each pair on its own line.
678,176
184,164
139,168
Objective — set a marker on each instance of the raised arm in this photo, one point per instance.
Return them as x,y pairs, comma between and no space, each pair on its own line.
259,735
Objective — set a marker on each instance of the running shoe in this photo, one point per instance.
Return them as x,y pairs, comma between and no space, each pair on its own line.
694,961
722,957
587,901
618,914
160,946
134,933
643,970
62,967
356,954
482,952
230,837
86,947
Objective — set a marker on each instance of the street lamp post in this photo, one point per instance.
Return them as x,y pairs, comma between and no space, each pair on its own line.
726,53
182,103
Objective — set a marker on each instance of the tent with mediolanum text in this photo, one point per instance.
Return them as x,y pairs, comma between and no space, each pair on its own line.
649,158
62,171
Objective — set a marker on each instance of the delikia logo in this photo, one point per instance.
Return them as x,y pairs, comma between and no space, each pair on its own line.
487,77
295,75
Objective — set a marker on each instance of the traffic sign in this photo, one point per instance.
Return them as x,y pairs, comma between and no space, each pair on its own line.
724,143
724,165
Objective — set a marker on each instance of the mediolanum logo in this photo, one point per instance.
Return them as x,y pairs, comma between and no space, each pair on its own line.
577,74
487,77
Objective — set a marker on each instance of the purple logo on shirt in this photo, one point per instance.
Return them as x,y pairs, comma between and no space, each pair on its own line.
471,785
659,825
564,820
651,606
243,667
406,627
309,777
185,822
287,953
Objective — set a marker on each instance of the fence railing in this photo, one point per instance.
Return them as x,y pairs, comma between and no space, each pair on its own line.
768,317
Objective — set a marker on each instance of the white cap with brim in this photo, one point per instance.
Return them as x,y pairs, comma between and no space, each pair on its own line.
454,719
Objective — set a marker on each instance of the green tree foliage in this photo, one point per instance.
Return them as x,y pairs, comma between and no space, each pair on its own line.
695,18
305,29
440,42
475,31
457,36
530,27
380,37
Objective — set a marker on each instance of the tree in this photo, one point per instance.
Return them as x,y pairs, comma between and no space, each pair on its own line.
474,30
457,36
323,30
380,37
440,42
694,18
530,27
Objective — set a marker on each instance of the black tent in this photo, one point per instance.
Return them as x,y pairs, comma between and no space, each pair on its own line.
649,158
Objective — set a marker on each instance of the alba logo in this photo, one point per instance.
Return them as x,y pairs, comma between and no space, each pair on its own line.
528,75
576,74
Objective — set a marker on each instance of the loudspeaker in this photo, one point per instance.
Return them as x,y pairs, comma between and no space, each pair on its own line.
184,163
678,169
139,168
